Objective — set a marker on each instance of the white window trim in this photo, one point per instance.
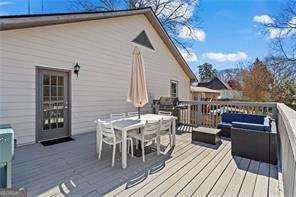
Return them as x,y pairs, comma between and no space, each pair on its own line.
177,89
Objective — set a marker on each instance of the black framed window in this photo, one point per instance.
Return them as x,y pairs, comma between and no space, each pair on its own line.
174,88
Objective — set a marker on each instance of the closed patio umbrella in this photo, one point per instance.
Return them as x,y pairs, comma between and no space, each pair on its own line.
137,90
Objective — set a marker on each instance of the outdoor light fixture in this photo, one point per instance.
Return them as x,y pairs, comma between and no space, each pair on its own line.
76,68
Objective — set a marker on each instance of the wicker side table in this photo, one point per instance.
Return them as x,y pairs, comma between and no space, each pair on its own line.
207,135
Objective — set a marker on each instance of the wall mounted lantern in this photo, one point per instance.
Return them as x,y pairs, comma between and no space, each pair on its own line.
76,68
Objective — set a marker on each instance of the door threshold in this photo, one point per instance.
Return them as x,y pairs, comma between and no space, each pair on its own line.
56,141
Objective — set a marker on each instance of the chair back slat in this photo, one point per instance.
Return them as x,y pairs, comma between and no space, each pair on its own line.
166,113
117,116
131,114
99,121
107,130
151,128
166,124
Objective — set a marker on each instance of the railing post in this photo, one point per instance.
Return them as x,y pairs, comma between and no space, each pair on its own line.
199,113
189,114
274,112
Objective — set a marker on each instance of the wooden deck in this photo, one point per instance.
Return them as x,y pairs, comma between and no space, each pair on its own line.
190,169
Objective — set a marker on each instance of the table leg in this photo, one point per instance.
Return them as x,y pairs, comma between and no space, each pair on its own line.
8,175
174,132
158,144
99,144
139,142
124,151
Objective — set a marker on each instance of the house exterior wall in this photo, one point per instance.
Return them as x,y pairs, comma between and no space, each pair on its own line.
206,95
231,95
103,49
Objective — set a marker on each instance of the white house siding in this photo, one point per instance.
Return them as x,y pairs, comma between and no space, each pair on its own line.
103,48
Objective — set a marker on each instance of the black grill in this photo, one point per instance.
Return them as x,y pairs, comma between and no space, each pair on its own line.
171,104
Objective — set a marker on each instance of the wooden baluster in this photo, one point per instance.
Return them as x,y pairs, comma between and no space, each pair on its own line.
195,114
274,114
189,114
203,113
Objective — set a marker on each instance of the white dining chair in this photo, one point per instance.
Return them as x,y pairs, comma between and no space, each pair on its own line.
98,134
166,128
166,113
117,116
108,136
149,133
131,114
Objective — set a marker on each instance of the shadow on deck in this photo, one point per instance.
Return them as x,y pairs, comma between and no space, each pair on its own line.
189,168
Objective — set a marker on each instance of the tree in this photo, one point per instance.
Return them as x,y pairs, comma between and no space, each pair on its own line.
282,69
257,82
234,84
284,86
175,15
282,30
207,72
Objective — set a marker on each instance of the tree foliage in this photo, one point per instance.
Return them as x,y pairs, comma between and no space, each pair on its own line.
233,76
257,82
207,72
284,86
282,31
235,84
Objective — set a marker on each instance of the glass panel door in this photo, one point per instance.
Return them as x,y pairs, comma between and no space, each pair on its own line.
53,98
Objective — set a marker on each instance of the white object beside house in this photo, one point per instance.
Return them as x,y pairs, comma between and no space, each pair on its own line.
40,95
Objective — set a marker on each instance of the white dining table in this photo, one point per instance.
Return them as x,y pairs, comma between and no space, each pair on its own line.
131,123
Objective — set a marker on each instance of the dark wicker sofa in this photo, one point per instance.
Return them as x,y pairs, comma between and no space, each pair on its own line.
260,145
256,122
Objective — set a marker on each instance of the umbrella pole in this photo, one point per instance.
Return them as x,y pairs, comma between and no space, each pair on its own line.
139,144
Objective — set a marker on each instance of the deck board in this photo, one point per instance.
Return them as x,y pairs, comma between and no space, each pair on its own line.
261,186
191,187
72,169
186,178
249,182
153,173
273,189
206,186
222,183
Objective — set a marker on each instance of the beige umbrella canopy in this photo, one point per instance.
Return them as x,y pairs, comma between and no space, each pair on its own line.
137,90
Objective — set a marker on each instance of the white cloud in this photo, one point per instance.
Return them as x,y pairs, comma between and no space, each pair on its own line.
192,33
283,32
292,22
263,19
3,3
189,56
277,33
222,57
274,32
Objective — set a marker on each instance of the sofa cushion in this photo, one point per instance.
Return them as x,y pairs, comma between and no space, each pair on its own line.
224,125
232,117
256,119
251,126
226,117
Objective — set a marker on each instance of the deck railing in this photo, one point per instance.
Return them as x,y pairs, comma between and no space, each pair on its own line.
287,131
207,113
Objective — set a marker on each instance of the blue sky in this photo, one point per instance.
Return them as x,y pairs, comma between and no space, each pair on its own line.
226,36
229,28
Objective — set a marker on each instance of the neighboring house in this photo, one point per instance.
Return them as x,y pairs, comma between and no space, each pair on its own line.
226,92
42,98
203,93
